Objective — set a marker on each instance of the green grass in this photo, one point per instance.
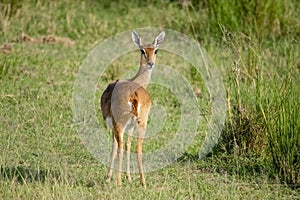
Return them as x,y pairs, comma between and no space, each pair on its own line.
283,130
42,155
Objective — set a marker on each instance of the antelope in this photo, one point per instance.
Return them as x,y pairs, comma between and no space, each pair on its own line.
125,105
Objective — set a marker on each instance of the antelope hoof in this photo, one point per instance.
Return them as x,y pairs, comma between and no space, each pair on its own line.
107,179
128,177
119,183
143,183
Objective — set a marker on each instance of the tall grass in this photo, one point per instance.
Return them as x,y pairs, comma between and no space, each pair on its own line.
283,127
261,18
246,29
244,130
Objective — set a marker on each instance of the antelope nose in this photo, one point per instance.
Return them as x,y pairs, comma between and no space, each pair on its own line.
150,64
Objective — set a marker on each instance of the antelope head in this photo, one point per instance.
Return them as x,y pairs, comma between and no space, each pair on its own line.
148,51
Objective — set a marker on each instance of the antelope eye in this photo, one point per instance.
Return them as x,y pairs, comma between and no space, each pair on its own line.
143,51
155,52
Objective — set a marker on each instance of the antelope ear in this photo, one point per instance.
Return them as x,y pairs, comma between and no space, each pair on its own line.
136,39
159,39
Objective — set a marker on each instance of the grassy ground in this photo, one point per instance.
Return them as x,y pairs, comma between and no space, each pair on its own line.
43,45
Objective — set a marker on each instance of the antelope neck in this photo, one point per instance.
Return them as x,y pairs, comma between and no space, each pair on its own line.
143,76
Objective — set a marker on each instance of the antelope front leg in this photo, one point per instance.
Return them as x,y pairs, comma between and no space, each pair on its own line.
113,157
141,134
127,147
120,152
119,138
